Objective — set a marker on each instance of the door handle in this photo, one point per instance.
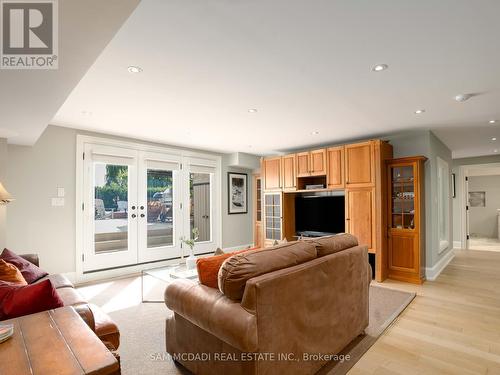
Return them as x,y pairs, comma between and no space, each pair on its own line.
142,215
134,216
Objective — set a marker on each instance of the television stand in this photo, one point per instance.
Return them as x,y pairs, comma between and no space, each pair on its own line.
311,233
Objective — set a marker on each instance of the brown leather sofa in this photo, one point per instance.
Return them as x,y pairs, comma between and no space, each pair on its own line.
95,318
282,310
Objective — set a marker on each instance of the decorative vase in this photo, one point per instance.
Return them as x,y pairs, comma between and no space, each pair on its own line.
191,262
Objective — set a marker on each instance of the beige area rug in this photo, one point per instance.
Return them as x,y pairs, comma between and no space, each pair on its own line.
142,325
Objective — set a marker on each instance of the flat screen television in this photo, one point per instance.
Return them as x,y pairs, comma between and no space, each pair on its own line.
323,214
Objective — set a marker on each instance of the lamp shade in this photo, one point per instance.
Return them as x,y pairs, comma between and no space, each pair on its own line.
5,197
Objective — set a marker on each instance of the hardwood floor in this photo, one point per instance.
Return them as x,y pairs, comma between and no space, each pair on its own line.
451,327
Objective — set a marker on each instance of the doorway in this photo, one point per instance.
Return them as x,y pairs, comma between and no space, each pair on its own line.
139,203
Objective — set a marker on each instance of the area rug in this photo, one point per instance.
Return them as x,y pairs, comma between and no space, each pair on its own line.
142,326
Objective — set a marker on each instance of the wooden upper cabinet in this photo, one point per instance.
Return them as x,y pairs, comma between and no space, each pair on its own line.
317,162
360,216
335,164
359,164
289,175
303,164
271,171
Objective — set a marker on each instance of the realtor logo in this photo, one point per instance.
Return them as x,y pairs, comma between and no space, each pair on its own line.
29,37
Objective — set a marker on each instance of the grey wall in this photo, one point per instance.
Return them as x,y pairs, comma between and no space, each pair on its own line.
3,175
425,143
33,225
457,163
483,221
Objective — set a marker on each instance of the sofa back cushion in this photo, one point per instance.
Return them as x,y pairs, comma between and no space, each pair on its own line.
236,270
10,273
208,267
332,244
30,272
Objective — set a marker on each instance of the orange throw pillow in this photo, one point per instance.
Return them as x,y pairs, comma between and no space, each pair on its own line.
208,268
10,273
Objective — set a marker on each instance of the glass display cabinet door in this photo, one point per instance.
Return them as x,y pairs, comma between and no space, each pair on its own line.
272,212
403,197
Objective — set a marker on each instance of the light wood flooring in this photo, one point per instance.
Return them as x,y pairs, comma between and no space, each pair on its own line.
451,327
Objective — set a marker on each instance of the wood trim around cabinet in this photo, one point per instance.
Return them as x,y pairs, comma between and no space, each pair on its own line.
335,167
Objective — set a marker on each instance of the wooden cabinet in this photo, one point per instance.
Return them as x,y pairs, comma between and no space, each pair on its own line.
405,215
335,165
359,164
303,164
271,172
258,234
317,162
289,175
311,163
360,216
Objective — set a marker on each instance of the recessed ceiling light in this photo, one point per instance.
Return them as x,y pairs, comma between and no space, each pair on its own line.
315,132
252,110
494,138
495,151
463,97
134,69
380,67
492,121
419,111
86,113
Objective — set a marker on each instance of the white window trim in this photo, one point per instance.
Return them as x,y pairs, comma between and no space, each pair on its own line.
166,151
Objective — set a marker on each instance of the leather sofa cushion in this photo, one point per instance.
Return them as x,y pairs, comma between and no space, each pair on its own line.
70,296
332,244
58,281
105,328
31,273
238,269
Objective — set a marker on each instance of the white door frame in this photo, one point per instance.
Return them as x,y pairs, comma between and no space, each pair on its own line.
81,140
468,171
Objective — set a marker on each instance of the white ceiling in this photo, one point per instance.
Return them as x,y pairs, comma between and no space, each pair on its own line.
304,64
29,99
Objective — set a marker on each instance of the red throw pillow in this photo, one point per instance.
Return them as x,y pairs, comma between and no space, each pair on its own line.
30,272
208,268
18,300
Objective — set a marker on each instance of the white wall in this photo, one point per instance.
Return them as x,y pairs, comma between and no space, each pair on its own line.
33,225
483,221
3,176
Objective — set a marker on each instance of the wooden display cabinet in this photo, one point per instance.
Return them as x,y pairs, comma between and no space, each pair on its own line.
406,255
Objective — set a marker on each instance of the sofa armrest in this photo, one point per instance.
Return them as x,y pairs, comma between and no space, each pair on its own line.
86,314
32,258
210,310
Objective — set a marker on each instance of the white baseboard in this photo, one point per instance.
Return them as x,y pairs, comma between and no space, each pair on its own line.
432,273
457,244
235,248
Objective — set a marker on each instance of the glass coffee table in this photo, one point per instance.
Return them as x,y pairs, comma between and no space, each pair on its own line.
155,280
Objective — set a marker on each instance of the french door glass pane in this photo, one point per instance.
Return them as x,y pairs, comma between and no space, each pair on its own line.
199,213
110,208
159,208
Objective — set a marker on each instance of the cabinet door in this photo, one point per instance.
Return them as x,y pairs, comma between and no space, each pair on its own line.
360,215
317,160
272,173
273,226
359,164
288,172
335,163
303,164
404,254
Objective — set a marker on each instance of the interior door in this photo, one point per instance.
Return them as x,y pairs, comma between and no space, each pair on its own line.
110,207
159,214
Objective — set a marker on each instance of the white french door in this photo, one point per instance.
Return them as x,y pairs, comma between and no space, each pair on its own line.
137,205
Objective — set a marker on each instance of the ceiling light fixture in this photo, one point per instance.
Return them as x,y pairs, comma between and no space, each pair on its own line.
134,69
463,97
315,132
494,138
419,111
252,110
380,67
492,121
495,151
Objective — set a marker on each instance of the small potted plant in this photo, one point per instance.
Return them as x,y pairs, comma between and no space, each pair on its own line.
191,259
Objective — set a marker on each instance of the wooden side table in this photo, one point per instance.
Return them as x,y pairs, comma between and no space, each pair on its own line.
55,342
